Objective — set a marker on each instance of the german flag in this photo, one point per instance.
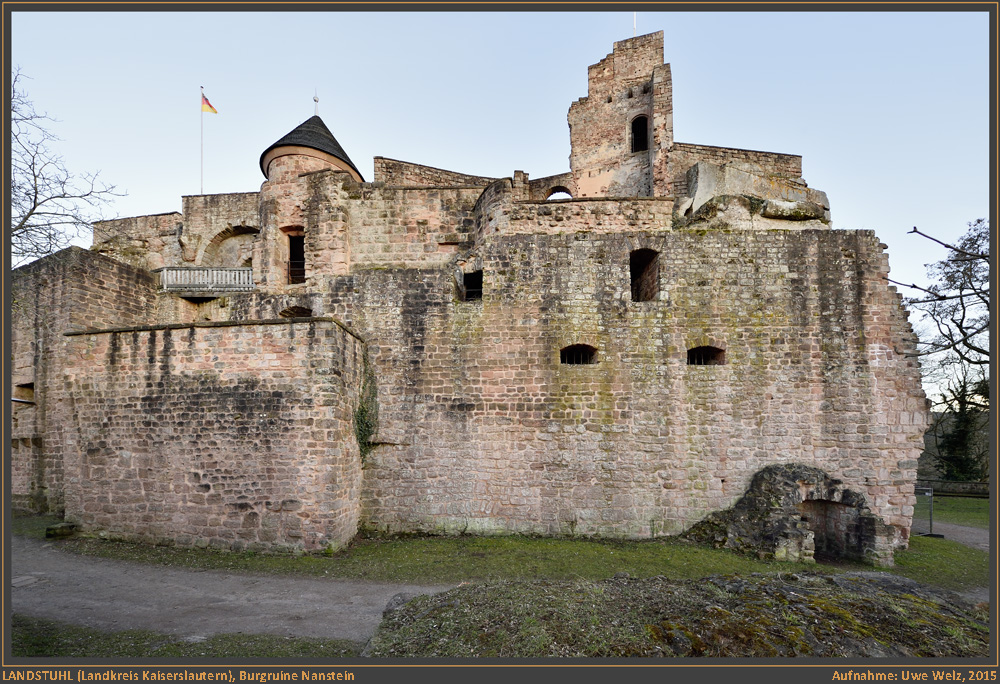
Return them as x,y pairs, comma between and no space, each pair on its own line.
206,106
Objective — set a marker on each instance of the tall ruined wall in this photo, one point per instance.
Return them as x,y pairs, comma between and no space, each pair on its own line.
632,81
70,290
230,435
484,430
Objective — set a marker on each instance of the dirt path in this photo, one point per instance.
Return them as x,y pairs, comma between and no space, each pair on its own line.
116,595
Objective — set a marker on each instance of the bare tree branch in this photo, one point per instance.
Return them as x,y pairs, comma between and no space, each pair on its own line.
49,205
957,302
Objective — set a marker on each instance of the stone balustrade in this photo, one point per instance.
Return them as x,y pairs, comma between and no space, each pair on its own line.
206,279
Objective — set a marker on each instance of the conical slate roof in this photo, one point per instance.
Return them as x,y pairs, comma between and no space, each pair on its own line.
314,134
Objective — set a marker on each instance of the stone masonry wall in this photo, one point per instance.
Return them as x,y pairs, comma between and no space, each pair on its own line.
407,227
684,155
630,82
147,242
348,225
484,430
399,173
210,218
175,239
229,435
70,290
594,215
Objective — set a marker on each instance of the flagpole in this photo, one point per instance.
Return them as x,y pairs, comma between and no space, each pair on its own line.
201,109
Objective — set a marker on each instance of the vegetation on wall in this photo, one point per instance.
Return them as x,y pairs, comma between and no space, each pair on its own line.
366,414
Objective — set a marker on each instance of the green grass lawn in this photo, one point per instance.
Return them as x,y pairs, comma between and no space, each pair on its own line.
444,560
957,510
943,563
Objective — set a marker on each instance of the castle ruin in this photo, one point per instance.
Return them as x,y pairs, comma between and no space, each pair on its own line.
444,353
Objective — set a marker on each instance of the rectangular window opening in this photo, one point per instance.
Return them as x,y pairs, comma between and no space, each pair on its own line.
472,283
24,393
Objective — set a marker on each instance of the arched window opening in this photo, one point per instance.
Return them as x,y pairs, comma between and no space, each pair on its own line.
640,134
558,193
472,286
577,354
706,356
296,312
229,248
644,268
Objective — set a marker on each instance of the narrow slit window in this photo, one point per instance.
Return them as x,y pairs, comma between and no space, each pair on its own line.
706,356
578,354
644,269
296,259
640,134
473,285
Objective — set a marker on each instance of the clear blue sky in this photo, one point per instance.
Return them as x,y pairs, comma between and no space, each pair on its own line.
889,110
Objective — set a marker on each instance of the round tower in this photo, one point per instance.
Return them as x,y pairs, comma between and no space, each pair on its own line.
297,244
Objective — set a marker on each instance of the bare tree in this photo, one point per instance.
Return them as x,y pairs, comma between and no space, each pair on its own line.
956,346
49,205
957,303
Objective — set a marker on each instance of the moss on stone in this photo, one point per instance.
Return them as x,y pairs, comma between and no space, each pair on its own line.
366,414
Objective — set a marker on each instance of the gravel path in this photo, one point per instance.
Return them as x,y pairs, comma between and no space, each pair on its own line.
116,595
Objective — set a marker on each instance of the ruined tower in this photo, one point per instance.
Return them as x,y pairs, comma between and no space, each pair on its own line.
622,131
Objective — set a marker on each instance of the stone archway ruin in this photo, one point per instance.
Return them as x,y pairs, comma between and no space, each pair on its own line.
796,512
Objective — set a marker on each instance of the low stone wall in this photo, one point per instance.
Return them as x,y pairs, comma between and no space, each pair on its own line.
230,435
394,172
978,489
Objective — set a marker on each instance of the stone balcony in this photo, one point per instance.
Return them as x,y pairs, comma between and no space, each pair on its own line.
205,281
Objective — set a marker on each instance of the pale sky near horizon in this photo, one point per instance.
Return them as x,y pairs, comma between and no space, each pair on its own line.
890,111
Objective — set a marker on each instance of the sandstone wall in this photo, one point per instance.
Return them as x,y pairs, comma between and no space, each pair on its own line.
590,215
630,82
400,173
683,156
230,435
70,290
407,227
347,225
174,239
484,430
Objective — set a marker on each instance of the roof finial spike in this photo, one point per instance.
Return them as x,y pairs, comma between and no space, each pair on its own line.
316,100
